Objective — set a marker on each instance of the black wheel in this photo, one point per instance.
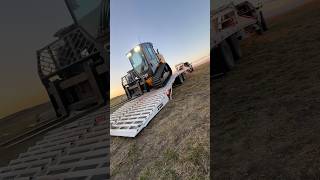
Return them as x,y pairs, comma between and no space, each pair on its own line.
216,62
148,88
183,76
263,23
234,44
226,55
130,93
180,79
145,87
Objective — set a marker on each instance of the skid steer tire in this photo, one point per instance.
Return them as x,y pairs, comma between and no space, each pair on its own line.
158,81
127,92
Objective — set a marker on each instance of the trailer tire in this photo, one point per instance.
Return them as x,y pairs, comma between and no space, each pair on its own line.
217,65
226,55
180,79
183,76
234,44
263,22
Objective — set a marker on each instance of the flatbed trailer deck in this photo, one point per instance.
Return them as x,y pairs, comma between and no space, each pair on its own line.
133,116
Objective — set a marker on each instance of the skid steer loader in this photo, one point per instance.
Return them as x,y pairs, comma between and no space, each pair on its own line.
150,71
75,69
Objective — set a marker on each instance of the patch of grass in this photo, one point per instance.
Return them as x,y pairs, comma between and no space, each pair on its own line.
163,168
146,175
197,177
171,155
115,170
150,171
159,172
198,155
170,174
133,154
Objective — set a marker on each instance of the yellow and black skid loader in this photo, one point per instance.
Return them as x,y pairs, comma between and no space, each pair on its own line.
150,70
75,68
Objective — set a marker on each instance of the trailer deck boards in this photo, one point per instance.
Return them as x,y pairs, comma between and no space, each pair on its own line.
76,150
133,116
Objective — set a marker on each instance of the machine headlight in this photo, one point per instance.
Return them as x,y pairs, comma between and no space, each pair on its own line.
129,55
145,76
137,49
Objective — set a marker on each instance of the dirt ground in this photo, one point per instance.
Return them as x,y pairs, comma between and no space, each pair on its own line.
266,112
175,144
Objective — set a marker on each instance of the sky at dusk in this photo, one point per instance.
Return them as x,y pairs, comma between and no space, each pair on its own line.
180,29
26,26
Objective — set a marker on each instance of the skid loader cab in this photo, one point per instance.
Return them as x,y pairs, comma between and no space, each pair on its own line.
74,68
144,59
146,62
149,70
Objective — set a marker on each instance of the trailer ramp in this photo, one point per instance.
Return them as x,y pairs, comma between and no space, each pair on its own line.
132,117
78,150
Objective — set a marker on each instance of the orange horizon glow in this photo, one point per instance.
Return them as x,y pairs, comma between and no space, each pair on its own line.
117,91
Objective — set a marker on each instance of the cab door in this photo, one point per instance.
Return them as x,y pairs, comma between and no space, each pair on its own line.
151,55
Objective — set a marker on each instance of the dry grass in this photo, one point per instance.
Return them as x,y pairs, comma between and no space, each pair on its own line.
175,144
266,111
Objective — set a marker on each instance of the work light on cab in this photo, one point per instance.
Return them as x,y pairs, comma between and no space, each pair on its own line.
137,49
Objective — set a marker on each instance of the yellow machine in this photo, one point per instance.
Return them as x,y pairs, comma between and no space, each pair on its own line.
149,70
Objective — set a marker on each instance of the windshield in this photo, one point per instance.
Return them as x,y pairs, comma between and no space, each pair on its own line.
138,62
87,14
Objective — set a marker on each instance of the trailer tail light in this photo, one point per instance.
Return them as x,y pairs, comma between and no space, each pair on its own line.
169,93
100,119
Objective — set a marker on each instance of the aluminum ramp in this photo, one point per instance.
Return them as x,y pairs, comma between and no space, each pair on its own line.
78,150
132,117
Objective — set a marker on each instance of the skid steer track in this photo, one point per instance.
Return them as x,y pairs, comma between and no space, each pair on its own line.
158,80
